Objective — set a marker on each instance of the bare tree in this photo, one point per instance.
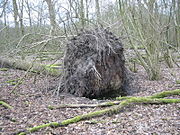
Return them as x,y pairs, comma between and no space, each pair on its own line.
52,16
21,7
15,11
97,11
87,10
29,12
3,6
82,15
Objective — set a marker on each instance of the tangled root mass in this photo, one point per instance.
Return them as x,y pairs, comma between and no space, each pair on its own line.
93,64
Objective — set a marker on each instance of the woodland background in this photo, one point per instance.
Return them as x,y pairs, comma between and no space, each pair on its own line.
149,29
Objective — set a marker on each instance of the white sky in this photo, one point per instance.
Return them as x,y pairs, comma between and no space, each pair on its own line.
63,3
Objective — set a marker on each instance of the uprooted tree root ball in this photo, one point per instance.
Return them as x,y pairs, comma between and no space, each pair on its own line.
93,64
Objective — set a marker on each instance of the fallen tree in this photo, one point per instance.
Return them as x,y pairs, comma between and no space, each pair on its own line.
94,65
155,99
30,66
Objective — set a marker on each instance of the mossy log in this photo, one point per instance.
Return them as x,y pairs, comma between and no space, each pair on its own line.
111,110
158,95
30,66
5,105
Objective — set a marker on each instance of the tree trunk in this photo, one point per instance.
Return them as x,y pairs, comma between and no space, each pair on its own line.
82,16
87,11
21,18
52,16
94,65
97,11
30,66
15,10
29,12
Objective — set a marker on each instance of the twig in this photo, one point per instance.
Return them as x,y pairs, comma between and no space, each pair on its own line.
6,105
106,104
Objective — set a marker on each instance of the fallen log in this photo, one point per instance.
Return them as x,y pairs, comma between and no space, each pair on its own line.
111,110
30,66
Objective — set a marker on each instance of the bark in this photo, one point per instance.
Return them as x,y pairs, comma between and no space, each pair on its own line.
52,16
87,12
21,18
82,16
32,67
97,11
29,12
3,7
15,11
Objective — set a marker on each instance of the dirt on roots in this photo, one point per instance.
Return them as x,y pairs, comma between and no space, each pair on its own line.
94,64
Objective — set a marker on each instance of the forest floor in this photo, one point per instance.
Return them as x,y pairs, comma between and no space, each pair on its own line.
31,99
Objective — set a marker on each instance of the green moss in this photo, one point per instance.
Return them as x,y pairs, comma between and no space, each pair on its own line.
109,104
166,93
72,120
177,81
6,105
52,69
50,107
148,100
116,121
13,120
14,82
158,95
3,69
36,128
122,98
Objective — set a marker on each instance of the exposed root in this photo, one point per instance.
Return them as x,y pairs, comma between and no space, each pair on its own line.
94,65
156,99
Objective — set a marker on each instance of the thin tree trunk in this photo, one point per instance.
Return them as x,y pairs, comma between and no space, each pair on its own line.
15,10
97,11
87,11
52,16
3,8
82,16
29,13
21,18
40,12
